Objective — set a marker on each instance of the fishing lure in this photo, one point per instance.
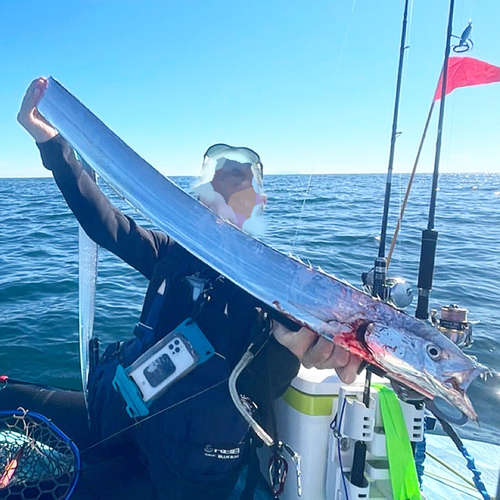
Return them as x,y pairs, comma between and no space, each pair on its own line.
11,467
465,44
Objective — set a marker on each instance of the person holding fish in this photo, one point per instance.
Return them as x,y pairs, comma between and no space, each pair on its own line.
201,446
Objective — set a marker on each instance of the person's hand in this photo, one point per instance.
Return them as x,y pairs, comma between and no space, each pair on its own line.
318,352
28,115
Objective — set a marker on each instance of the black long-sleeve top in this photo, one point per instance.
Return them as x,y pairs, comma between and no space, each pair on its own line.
144,250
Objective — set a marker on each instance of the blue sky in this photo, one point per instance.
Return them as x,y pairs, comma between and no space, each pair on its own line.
307,84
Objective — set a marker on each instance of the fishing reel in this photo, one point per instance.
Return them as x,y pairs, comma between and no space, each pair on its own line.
454,324
397,291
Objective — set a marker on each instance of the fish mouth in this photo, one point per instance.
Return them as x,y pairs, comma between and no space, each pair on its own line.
462,380
459,399
453,390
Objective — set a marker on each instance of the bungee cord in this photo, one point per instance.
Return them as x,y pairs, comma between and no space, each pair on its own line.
451,469
471,465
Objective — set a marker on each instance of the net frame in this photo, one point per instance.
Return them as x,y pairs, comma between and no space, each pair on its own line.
47,463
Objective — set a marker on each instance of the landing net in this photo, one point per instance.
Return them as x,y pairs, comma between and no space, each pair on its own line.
37,460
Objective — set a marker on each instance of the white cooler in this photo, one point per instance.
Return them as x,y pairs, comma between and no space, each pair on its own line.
304,414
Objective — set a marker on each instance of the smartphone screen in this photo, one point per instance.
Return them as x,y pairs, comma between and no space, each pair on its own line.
159,370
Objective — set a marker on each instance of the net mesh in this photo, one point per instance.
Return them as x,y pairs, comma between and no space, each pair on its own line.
37,461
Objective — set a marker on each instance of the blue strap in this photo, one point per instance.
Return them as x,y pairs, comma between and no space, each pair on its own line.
471,465
154,312
476,474
148,327
420,449
178,262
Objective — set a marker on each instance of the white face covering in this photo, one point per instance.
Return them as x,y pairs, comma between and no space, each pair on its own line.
228,186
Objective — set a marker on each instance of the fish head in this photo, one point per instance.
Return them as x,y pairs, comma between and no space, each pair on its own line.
424,359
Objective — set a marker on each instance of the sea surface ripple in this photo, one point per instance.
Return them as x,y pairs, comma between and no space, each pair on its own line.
333,221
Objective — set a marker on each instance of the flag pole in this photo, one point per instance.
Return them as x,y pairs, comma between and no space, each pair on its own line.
429,235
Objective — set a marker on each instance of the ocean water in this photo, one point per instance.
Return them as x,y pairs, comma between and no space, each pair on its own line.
330,220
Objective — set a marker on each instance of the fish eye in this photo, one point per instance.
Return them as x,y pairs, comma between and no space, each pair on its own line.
435,352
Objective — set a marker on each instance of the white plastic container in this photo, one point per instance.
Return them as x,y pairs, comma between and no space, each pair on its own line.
304,414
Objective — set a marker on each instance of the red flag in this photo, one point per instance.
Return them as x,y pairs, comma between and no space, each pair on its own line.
465,72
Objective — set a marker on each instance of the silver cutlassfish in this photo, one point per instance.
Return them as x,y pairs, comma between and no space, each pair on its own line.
87,280
408,350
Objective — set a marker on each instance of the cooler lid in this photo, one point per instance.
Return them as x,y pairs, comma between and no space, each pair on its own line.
313,381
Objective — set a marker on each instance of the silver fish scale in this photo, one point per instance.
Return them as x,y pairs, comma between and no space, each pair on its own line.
312,298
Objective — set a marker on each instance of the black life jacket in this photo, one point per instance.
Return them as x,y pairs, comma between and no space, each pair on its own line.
195,435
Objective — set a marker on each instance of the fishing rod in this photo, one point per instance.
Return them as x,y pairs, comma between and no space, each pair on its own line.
464,45
379,278
380,268
394,290
410,183
428,257
429,235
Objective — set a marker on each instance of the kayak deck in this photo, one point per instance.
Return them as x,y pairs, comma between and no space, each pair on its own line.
440,483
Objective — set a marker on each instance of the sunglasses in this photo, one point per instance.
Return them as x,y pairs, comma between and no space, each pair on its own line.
240,155
219,150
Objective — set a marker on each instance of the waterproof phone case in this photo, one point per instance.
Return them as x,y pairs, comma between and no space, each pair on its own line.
170,359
